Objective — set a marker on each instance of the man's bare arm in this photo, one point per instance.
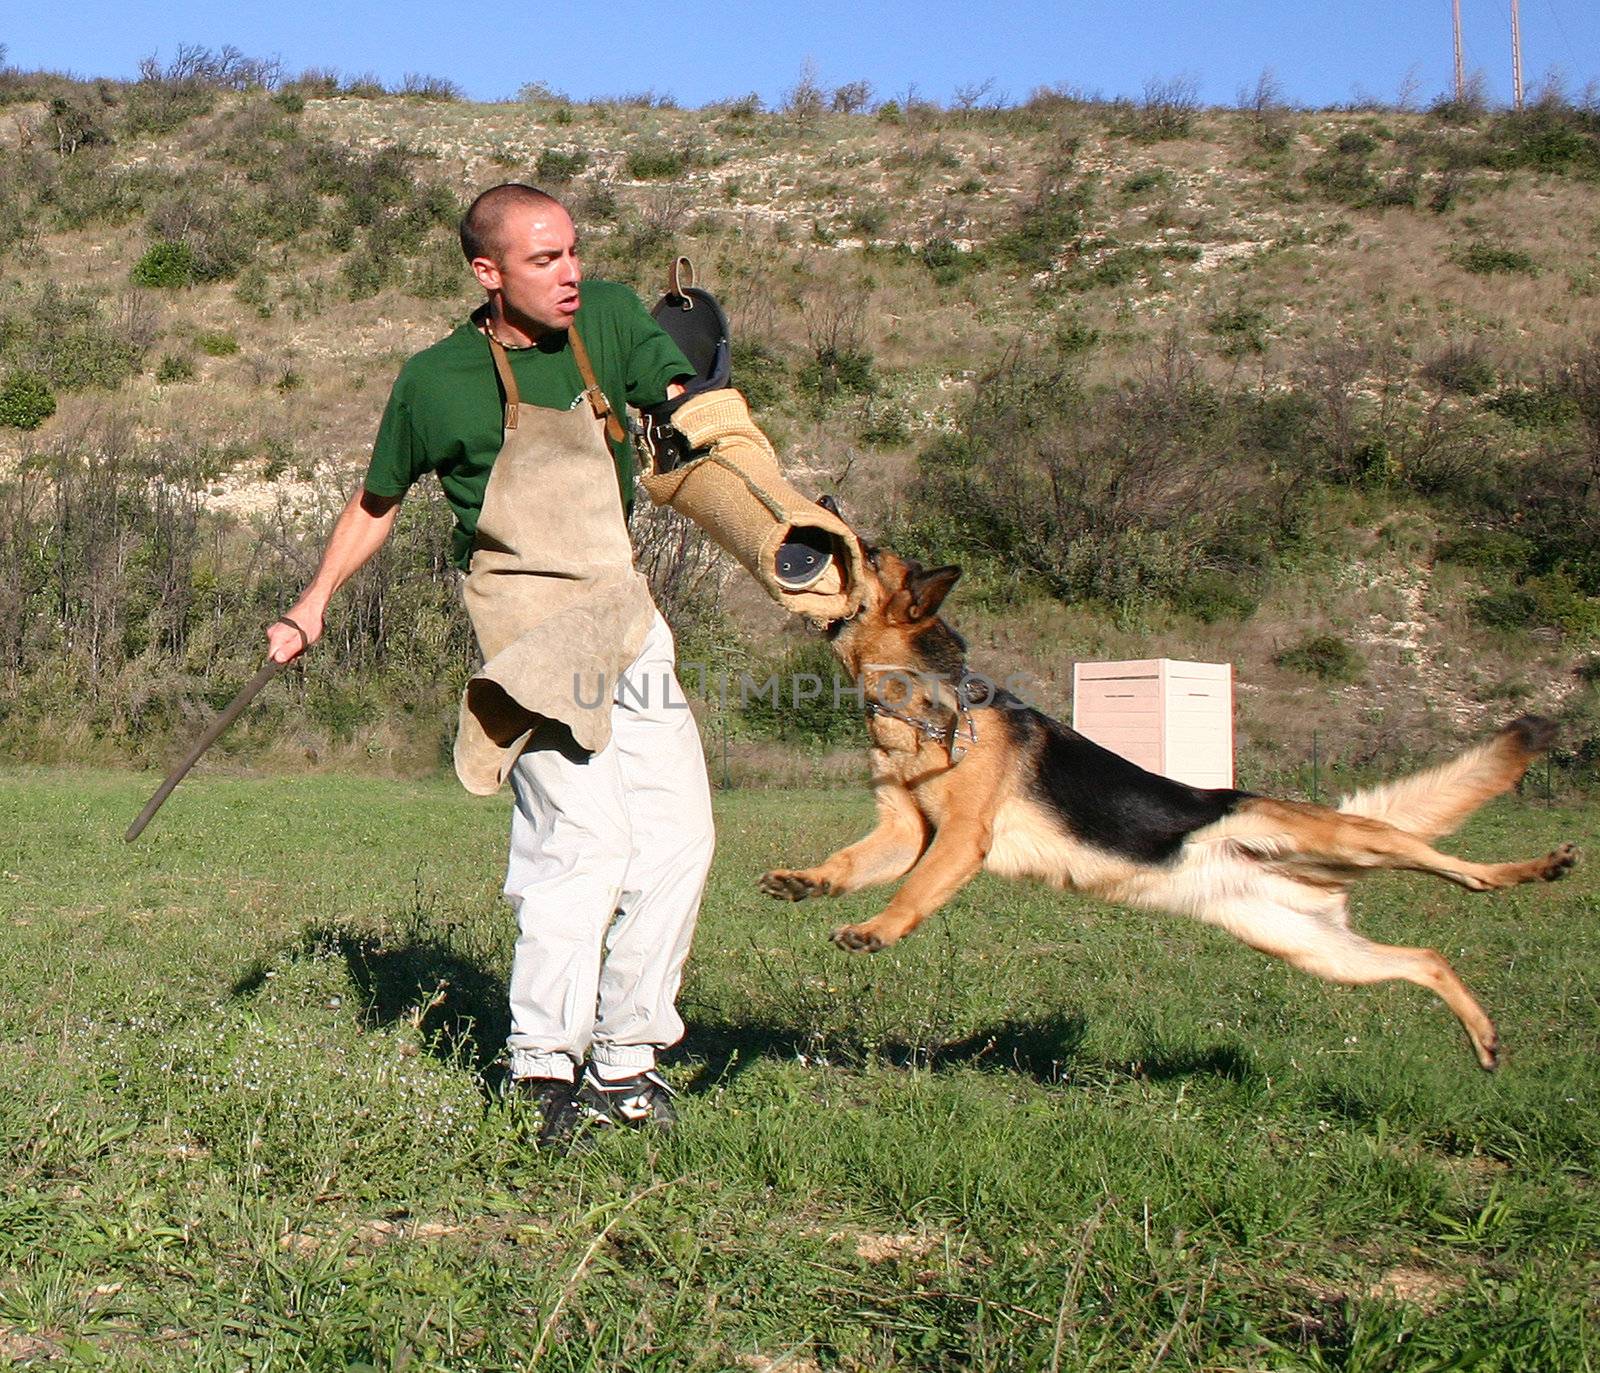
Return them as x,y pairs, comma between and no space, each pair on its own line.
358,533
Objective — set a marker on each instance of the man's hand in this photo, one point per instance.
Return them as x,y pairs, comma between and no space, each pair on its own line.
284,643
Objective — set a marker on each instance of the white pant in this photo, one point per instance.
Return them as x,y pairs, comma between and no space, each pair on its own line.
609,854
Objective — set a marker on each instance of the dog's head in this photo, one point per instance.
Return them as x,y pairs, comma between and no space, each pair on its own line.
898,622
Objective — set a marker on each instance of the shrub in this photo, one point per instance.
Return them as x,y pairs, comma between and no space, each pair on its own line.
437,88
1461,367
1149,180
1489,548
1548,137
25,401
867,220
833,371
165,265
1120,495
885,424
654,162
1046,226
760,373
808,709
1554,600
218,345
78,121
852,97
1541,407
1242,328
1167,109
556,167
1343,177
1212,595
1325,656
1486,259
175,367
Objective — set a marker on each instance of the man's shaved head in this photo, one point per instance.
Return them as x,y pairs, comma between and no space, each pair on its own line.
481,225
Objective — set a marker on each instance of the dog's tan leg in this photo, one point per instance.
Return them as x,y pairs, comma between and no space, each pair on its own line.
952,860
1336,844
882,856
1340,954
1381,845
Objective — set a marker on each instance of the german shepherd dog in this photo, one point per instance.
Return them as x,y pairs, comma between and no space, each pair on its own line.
968,780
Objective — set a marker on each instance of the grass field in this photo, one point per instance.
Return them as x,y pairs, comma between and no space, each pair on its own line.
249,1119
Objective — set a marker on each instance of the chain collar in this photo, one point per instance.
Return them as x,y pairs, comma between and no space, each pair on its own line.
958,736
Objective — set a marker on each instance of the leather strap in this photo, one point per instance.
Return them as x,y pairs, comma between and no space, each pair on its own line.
508,383
597,398
680,277
305,641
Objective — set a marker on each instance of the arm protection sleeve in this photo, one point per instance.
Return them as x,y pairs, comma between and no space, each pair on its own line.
736,493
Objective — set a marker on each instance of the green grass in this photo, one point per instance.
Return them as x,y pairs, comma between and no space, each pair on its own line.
248,1120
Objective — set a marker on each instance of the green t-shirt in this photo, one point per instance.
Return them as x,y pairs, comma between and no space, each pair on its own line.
445,411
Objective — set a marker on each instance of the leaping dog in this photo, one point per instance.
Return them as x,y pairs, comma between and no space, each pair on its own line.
970,778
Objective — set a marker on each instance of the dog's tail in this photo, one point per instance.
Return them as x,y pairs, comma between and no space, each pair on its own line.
1432,803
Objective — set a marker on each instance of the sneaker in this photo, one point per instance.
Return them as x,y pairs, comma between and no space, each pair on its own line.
644,1099
555,1102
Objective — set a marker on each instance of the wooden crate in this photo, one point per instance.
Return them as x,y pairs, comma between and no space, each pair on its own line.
1171,717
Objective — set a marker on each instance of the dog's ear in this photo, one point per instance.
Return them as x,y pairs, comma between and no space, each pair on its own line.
927,590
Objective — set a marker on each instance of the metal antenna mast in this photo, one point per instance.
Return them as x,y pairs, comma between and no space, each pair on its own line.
1461,81
1516,56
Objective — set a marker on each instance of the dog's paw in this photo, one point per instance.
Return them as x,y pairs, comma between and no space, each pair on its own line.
1559,862
857,938
793,886
1489,1052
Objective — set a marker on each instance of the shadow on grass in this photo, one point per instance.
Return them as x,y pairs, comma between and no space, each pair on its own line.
1049,1050
457,1006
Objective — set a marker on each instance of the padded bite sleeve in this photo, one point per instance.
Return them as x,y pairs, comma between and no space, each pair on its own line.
737,494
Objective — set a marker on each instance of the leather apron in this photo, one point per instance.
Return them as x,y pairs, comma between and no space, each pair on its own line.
551,588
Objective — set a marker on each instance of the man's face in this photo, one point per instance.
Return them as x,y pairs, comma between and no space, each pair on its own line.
535,269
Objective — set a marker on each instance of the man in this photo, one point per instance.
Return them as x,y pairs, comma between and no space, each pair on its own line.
611,834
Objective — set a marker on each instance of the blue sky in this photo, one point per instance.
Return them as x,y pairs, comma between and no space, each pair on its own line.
699,51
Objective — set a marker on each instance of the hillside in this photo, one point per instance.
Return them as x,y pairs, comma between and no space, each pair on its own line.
1316,392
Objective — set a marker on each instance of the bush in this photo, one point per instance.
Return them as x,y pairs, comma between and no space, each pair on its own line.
808,710
1464,368
218,345
556,168
165,265
1212,595
1489,548
1167,109
760,373
1485,259
1541,407
834,371
1325,656
654,162
1554,600
1548,137
25,401
175,367
1343,177
1243,330
1045,227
